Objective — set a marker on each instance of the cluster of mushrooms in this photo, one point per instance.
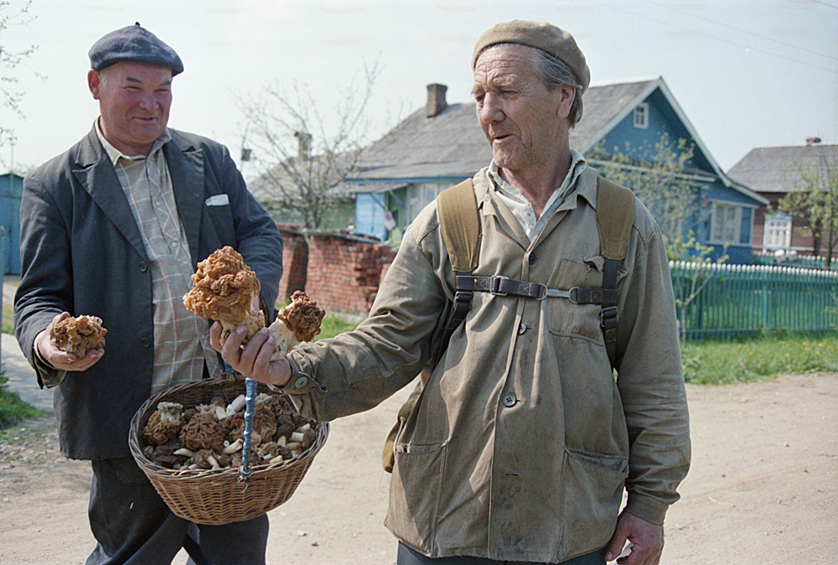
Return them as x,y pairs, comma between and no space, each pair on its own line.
223,289
211,436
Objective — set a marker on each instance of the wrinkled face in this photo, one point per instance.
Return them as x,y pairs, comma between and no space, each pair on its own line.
523,120
134,101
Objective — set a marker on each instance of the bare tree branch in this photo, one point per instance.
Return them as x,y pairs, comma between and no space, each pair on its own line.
9,60
303,159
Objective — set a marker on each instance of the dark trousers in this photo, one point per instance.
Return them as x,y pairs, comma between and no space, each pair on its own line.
133,526
408,556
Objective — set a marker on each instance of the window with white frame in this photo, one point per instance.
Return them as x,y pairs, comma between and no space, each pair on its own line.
726,223
641,115
777,234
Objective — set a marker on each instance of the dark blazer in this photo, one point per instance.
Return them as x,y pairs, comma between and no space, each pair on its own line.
82,252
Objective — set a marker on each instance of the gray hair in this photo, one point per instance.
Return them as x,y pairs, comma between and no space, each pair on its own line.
555,74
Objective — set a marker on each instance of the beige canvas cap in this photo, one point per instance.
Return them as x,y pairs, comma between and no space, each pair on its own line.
540,35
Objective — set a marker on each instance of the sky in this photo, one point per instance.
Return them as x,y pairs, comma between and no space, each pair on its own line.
746,73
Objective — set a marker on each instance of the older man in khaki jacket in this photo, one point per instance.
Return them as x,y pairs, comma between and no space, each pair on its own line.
522,442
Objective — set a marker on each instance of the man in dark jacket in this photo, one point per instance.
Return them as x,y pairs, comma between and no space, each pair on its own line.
114,228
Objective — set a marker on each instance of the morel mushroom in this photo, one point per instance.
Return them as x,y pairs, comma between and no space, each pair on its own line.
79,335
223,288
203,431
299,321
264,425
164,424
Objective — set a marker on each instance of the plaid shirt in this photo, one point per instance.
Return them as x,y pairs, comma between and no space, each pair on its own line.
181,339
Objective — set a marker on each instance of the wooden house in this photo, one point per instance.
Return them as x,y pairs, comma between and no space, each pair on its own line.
442,144
773,172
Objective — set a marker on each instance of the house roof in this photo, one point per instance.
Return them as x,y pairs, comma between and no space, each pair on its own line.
776,169
450,146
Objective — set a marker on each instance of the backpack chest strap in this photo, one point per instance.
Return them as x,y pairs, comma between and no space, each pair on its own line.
504,286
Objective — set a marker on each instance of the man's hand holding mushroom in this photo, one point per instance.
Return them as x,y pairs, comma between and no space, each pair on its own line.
223,289
49,347
263,357
252,360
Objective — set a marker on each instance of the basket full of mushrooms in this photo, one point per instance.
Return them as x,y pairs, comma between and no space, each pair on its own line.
188,441
227,449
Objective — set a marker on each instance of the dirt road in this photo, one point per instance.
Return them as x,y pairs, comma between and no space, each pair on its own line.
763,487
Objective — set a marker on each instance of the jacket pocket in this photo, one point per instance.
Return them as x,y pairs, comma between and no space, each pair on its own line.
221,216
414,493
576,320
592,491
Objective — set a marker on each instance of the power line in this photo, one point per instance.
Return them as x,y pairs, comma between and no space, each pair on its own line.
739,30
717,38
824,4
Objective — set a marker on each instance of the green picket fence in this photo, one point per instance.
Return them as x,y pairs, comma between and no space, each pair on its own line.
744,299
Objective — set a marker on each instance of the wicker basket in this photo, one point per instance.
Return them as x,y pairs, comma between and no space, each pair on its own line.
217,497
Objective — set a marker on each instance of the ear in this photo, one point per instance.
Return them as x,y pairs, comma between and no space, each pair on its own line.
567,94
93,82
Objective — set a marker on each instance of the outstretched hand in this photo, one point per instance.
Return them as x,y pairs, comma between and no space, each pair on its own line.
252,360
646,541
51,352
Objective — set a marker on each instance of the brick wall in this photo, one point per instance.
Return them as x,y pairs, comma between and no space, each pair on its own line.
294,264
343,272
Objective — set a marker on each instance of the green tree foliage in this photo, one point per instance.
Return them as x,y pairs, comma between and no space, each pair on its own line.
658,175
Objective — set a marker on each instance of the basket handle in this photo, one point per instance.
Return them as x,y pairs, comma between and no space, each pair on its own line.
249,411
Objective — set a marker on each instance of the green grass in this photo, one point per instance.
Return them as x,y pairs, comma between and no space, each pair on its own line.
717,362
334,325
12,408
8,326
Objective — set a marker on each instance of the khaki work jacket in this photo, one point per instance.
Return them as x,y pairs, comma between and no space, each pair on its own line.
522,442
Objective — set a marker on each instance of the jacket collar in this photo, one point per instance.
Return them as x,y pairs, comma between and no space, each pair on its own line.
489,204
95,173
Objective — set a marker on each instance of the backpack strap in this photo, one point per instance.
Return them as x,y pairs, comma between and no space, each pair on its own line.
460,227
614,218
459,224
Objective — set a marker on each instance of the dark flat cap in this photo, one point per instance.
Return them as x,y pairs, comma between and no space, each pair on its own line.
547,37
133,44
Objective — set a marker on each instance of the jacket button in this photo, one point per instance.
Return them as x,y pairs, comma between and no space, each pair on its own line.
522,328
532,259
300,382
143,267
509,400
145,342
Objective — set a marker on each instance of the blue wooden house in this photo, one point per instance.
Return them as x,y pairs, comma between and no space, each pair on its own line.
442,144
11,186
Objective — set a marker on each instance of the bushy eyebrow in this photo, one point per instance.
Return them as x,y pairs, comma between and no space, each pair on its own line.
500,82
167,82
